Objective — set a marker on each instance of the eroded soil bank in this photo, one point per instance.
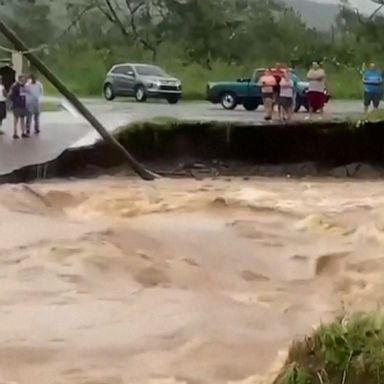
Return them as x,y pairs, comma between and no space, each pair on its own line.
338,149
114,280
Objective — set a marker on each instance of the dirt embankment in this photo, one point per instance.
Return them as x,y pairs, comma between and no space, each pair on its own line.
338,149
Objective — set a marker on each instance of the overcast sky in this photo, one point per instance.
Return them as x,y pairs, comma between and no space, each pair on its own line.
363,5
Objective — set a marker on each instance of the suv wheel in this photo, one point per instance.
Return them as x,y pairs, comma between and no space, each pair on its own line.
173,99
228,100
140,94
109,94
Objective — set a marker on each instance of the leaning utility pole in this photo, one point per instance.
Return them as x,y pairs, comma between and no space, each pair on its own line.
57,83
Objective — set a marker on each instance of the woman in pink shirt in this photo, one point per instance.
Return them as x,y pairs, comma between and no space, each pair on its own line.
268,83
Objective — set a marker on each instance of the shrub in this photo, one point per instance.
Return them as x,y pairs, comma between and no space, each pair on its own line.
347,351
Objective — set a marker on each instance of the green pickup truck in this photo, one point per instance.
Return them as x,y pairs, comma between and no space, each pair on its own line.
247,92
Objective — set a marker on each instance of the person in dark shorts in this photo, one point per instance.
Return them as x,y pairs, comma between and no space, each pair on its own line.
373,87
278,73
3,102
267,83
286,96
17,97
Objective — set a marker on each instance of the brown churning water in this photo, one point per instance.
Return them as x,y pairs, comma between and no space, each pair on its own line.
115,280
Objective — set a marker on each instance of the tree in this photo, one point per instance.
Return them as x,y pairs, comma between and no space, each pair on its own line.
31,20
140,21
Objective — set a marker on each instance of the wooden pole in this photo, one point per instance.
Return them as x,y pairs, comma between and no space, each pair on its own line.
59,85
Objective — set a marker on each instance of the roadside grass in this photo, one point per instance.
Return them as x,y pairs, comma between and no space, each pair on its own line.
85,75
86,80
347,351
50,106
195,78
375,116
360,119
345,84
164,120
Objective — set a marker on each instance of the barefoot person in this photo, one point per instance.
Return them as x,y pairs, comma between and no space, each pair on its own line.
316,96
3,102
286,96
34,95
373,87
17,97
268,84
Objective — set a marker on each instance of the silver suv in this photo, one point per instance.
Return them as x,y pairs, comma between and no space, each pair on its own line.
141,81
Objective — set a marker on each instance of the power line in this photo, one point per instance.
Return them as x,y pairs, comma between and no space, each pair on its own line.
10,50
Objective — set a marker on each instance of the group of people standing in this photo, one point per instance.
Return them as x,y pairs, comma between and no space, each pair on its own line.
24,98
279,87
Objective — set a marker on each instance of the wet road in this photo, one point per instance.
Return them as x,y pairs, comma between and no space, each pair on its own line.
205,110
122,112
62,130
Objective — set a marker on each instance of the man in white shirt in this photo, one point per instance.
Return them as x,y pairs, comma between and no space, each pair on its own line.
34,95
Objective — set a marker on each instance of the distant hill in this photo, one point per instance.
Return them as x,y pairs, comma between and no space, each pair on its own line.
317,15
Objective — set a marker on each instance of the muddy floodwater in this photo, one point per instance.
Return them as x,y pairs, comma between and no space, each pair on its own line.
114,280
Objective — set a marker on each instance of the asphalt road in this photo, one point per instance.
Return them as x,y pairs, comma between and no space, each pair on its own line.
205,110
62,130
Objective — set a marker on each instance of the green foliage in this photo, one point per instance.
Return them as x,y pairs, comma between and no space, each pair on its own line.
347,351
196,40
31,20
344,83
295,375
83,74
49,106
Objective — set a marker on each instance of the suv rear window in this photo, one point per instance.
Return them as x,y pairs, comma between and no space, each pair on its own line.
150,70
122,69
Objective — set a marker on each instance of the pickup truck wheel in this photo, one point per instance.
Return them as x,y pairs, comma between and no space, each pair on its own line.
299,102
140,94
109,93
251,105
228,100
304,104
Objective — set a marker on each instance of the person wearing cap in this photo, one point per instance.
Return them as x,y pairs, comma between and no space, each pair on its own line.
373,87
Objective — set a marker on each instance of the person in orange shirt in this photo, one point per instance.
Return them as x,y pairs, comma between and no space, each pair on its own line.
268,84
278,73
